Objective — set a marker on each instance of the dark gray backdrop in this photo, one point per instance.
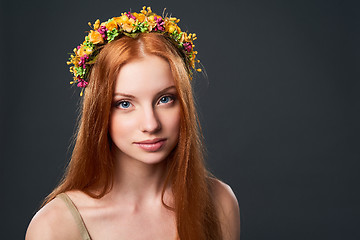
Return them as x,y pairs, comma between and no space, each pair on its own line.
280,112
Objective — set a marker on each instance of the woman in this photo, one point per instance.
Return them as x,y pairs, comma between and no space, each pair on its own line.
137,168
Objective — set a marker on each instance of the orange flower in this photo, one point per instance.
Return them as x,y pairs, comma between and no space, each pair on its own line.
170,26
151,22
139,16
129,25
111,25
81,51
118,20
95,37
121,20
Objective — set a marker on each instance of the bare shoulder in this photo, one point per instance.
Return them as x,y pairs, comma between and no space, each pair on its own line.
53,221
224,195
228,209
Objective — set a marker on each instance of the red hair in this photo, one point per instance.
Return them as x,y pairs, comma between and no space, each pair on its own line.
92,164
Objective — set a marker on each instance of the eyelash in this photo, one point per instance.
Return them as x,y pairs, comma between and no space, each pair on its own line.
170,97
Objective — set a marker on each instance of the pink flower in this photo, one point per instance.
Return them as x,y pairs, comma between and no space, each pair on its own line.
159,24
187,46
82,83
83,60
129,15
102,30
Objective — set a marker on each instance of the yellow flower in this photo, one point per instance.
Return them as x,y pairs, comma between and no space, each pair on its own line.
170,26
192,36
97,24
121,20
95,37
88,51
151,18
174,19
143,11
129,25
149,9
111,25
151,21
73,60
81,51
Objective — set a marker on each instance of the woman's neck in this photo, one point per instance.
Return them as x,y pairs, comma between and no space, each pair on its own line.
138,182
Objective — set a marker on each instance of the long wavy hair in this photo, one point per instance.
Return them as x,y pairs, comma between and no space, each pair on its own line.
92,163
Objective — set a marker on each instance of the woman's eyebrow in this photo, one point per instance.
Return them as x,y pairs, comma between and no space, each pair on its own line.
124,95
131,96
166,89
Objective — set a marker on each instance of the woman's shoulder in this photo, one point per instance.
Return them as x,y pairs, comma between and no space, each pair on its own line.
223,192
53,221
228,209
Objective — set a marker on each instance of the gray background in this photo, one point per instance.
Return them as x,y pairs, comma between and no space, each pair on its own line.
280,107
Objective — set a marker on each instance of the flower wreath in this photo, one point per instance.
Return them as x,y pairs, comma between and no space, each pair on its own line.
128,24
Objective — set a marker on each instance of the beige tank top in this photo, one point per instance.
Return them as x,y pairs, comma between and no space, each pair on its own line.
78,219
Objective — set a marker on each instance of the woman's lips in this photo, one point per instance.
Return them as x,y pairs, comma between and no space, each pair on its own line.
151,145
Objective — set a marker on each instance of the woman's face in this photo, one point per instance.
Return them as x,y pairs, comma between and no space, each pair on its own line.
145,116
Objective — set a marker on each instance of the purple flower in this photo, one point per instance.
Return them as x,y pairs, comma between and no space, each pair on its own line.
102,30
82,83
187,46
159,24
129,15
83,60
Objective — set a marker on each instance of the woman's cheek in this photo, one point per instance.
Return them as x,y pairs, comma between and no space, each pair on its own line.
121,123
172,119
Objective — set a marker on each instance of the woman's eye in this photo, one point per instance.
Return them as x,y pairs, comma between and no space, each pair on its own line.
124,104
166,99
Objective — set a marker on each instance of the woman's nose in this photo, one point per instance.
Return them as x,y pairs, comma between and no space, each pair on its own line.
149,121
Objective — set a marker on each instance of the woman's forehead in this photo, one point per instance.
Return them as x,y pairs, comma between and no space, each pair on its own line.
143,75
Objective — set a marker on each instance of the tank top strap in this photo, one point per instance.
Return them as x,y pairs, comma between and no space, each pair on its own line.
76,214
